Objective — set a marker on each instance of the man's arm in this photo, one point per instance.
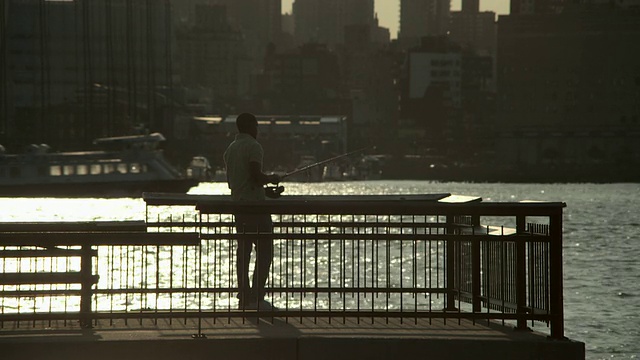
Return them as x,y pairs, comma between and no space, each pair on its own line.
258,177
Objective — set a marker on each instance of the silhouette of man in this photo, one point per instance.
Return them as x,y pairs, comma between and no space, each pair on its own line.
243,160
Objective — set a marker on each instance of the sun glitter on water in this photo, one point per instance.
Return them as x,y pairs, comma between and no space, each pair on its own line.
61,209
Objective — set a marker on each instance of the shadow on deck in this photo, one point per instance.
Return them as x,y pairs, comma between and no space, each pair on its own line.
279,338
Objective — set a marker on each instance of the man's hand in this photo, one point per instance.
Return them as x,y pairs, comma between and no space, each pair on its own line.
274,178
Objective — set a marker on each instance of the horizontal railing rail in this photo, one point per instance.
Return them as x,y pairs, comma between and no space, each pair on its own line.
425,256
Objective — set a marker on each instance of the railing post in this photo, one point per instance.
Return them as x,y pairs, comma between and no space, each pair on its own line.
450,264
475,277
521,274
555,263
86,274
475,269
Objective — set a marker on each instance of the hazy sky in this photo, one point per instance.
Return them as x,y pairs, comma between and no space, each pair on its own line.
389,10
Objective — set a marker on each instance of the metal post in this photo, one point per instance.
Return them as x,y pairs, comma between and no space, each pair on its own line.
475,276
557,300
86,269
475,269
521,274
450,265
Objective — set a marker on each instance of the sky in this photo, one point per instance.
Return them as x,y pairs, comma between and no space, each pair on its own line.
389,10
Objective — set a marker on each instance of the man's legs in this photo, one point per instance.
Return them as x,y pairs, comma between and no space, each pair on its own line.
243,256
264,257
247,226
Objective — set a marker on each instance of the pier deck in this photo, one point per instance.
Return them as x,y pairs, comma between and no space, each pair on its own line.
277,338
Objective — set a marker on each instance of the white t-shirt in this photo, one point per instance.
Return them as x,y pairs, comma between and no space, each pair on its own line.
243,150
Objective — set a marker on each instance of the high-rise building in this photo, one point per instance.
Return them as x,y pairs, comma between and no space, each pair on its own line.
474,30
558,6
324,21
420,18
211,55
470,6
260,21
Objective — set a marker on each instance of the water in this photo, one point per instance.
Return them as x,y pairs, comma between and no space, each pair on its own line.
601,255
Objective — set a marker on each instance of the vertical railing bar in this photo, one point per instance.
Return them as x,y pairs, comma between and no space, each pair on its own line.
34,268
110,280
503,264
430,283
315,267
357,273
343,269
199,334
303,263
52,268
233,245
401,271
330,263
128,254
286,266
520,274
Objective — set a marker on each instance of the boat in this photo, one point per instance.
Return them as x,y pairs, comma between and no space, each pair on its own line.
200,168
124,166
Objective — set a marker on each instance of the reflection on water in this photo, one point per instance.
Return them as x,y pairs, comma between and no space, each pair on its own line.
54,209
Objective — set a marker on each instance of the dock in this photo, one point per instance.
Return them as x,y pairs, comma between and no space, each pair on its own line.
371,277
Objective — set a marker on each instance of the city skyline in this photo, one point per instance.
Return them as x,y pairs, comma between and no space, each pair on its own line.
389,11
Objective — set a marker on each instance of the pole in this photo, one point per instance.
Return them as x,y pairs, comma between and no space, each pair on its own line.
321,163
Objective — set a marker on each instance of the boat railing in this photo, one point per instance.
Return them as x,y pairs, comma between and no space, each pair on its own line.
409,257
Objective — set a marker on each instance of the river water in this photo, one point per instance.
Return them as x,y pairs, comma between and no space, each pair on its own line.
601,243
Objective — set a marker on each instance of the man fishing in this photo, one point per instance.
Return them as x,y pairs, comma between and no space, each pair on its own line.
243,159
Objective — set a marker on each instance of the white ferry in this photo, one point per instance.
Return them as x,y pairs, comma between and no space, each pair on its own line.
125,166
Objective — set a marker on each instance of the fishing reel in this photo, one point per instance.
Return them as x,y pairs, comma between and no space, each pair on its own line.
273,192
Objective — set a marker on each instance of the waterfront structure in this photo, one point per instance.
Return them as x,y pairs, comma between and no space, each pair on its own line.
289,137
78,70
324,21
569,89
420,18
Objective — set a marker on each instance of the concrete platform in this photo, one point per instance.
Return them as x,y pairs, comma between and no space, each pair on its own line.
277,338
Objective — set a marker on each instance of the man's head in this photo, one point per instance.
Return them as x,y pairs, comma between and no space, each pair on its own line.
247,124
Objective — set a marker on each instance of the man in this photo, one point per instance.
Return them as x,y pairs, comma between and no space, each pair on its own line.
243,160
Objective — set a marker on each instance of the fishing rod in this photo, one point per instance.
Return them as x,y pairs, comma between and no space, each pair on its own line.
274,192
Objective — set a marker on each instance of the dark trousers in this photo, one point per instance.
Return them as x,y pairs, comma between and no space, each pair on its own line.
253,230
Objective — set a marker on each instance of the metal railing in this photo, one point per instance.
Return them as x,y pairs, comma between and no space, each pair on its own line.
406,257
